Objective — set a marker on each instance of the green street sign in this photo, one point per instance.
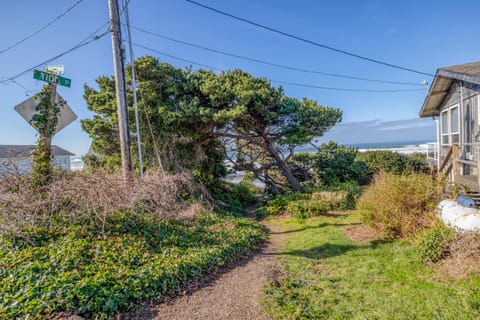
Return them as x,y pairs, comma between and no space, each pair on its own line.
44,76
64,81
50,78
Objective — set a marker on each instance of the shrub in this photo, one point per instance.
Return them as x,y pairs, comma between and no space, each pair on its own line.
316,201
393,162
434,243
235,197
336,164
346,194
302,209
332,164
400,206
278,205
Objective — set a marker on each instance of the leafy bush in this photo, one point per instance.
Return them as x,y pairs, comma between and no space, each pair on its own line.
315,201
345,195
140,257
336,164
393,162
332,164
303,209
236,197
434,243
278,205
400,206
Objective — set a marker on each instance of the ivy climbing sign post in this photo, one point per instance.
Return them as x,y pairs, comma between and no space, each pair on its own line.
45,122
48,113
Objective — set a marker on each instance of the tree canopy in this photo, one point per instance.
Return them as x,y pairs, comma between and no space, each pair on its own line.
196,119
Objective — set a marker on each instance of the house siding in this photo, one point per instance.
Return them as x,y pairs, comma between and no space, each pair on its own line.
469,90
24,165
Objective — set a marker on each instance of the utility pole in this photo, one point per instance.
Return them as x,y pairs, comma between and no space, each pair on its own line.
135,100
120,88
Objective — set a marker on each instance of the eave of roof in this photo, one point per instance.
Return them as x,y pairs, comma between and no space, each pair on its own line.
442,83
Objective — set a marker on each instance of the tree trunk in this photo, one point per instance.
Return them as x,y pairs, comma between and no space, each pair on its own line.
270,183
283,167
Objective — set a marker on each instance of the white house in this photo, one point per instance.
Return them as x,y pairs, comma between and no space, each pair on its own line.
18,158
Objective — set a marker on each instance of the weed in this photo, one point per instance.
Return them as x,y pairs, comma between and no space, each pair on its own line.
434,243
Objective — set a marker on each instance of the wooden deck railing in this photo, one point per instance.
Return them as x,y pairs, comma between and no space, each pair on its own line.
452,163
446,160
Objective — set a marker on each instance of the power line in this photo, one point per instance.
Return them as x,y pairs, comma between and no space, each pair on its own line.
342,89
279,81
27,90
271,63
79,45
42,28
289,35
177,58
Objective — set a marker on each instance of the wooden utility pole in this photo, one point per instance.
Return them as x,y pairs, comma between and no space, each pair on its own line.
120,88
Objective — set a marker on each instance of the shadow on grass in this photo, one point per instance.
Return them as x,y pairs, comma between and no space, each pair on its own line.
319,226
329,250
326,250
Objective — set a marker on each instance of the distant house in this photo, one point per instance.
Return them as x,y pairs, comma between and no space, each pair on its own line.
453,101
18,158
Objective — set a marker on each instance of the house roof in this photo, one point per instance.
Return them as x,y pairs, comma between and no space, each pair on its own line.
24,151
443,81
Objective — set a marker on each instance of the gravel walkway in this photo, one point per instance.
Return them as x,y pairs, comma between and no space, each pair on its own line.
232,294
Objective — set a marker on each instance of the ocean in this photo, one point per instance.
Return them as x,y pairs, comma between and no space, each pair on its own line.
404,147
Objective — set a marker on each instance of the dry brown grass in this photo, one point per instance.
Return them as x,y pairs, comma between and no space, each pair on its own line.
361,233
463,258
90,197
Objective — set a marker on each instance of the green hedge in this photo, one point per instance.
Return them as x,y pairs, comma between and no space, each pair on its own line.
141,258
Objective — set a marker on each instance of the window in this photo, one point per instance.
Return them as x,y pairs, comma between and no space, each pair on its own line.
450,125
445,130
454,125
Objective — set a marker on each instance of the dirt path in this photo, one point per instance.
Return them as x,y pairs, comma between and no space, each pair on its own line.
233,294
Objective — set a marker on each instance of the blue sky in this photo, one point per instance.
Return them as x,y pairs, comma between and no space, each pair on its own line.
413,34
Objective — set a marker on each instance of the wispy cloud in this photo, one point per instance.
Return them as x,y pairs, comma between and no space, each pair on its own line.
382,131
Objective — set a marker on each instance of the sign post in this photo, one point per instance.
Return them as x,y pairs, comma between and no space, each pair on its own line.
47,112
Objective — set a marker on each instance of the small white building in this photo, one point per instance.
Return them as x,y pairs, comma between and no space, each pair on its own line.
18,158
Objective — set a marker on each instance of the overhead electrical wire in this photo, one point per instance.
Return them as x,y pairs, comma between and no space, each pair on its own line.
317,44
89,39
342,89
271,63
42,28
177,58
278,81
79,45
27,90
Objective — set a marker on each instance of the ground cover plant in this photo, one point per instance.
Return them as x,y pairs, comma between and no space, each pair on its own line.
324,274
99,248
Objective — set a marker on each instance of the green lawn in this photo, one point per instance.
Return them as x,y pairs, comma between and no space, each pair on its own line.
325,275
